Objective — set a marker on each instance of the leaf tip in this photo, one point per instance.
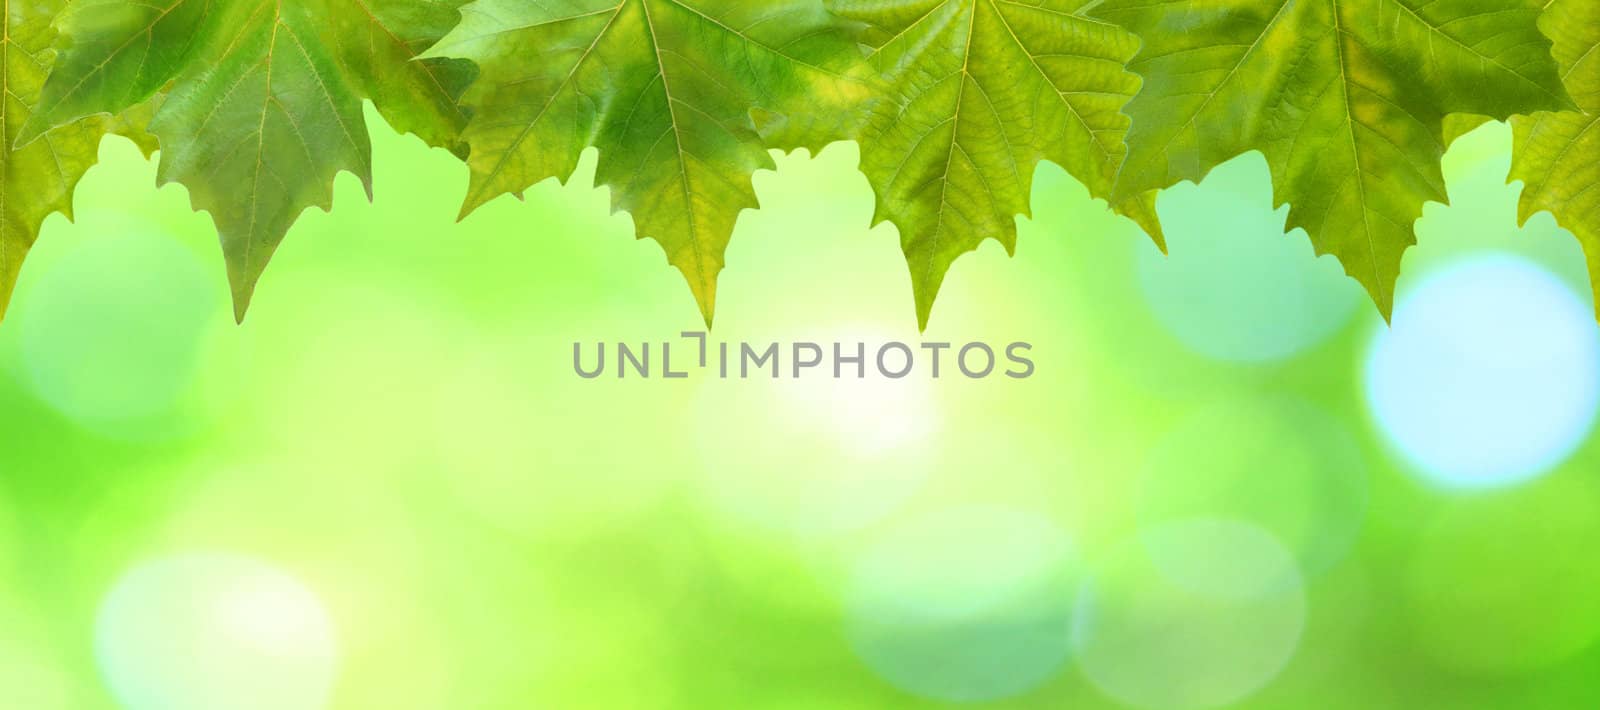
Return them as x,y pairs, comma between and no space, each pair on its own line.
925,296
1385,304
708,304
708,307
1141,210
1153,229
468,206
704,288
6,289
244,289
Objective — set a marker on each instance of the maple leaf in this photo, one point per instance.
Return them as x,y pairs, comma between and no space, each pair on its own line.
1557,154
1346,98
39,177
977,92
264,105
682,98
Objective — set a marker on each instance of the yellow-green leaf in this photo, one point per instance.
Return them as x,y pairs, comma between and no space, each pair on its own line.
976,93
682,98
265,101
1557,154
1346,98
39,177
258,128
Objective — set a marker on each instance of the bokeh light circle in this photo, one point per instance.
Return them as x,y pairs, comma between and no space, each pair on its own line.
1281,463
1194,614
965,605
1489,375
1233,286
111,330
209,631
815,457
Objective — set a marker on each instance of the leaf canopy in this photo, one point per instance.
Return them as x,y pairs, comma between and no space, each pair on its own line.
1557,154
975,94
1346,98
38,178
265,101
682,98
257,105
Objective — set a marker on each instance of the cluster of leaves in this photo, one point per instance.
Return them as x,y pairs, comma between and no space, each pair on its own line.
256,105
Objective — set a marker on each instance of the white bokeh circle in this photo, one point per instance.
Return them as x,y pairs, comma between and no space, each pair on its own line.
1489,375
1233,287
215,632
112,330
825,456
966,605
1193,614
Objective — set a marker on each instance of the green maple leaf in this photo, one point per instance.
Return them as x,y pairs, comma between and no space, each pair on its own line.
682,98
977,92
378,42
1346,98
1557,154
39,177
264,108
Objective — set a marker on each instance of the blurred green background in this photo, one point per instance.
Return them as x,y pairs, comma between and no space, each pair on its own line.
1228,484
